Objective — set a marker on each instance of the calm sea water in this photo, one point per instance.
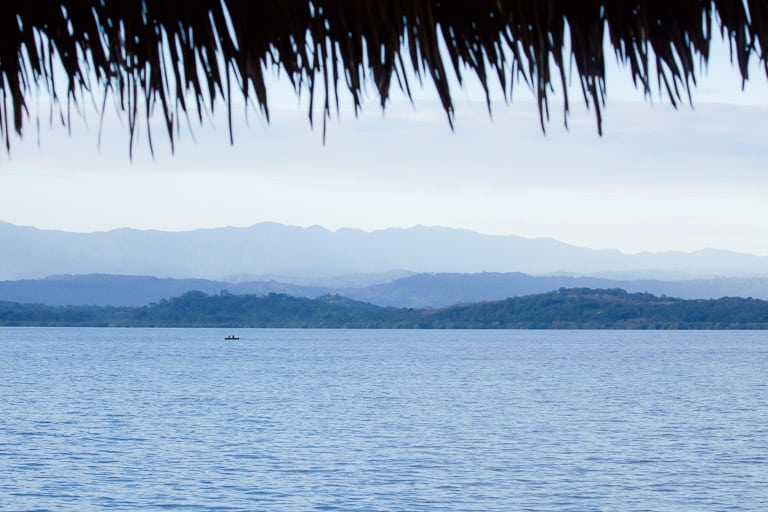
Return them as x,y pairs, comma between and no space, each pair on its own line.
288,420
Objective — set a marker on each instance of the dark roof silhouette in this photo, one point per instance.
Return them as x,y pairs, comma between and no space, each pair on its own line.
177,57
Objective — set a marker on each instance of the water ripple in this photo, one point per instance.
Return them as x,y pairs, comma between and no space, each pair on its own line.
142,419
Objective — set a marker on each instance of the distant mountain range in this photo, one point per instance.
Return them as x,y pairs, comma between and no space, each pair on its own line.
315,252
416,290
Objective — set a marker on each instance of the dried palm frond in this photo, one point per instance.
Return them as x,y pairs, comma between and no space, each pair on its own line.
183,56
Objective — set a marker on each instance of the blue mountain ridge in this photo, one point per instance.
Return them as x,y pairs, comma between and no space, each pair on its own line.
417,291
315,252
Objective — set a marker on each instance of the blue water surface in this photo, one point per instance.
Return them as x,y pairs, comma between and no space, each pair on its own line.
353,420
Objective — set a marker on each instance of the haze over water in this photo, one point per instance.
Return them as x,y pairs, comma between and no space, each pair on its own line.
150,419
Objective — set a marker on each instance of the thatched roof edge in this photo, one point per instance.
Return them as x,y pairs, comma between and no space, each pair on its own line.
180,57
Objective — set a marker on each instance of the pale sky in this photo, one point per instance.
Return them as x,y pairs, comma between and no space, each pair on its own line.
657,180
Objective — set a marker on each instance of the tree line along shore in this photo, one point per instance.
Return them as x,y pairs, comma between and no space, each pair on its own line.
575,308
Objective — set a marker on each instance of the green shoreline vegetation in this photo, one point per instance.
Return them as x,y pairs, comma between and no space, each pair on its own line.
575,308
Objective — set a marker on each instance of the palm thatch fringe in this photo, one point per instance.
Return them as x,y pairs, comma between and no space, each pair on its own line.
182,56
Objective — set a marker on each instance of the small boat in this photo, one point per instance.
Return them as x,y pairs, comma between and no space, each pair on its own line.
232,337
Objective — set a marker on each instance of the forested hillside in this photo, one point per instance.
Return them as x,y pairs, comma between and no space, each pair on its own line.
577,308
